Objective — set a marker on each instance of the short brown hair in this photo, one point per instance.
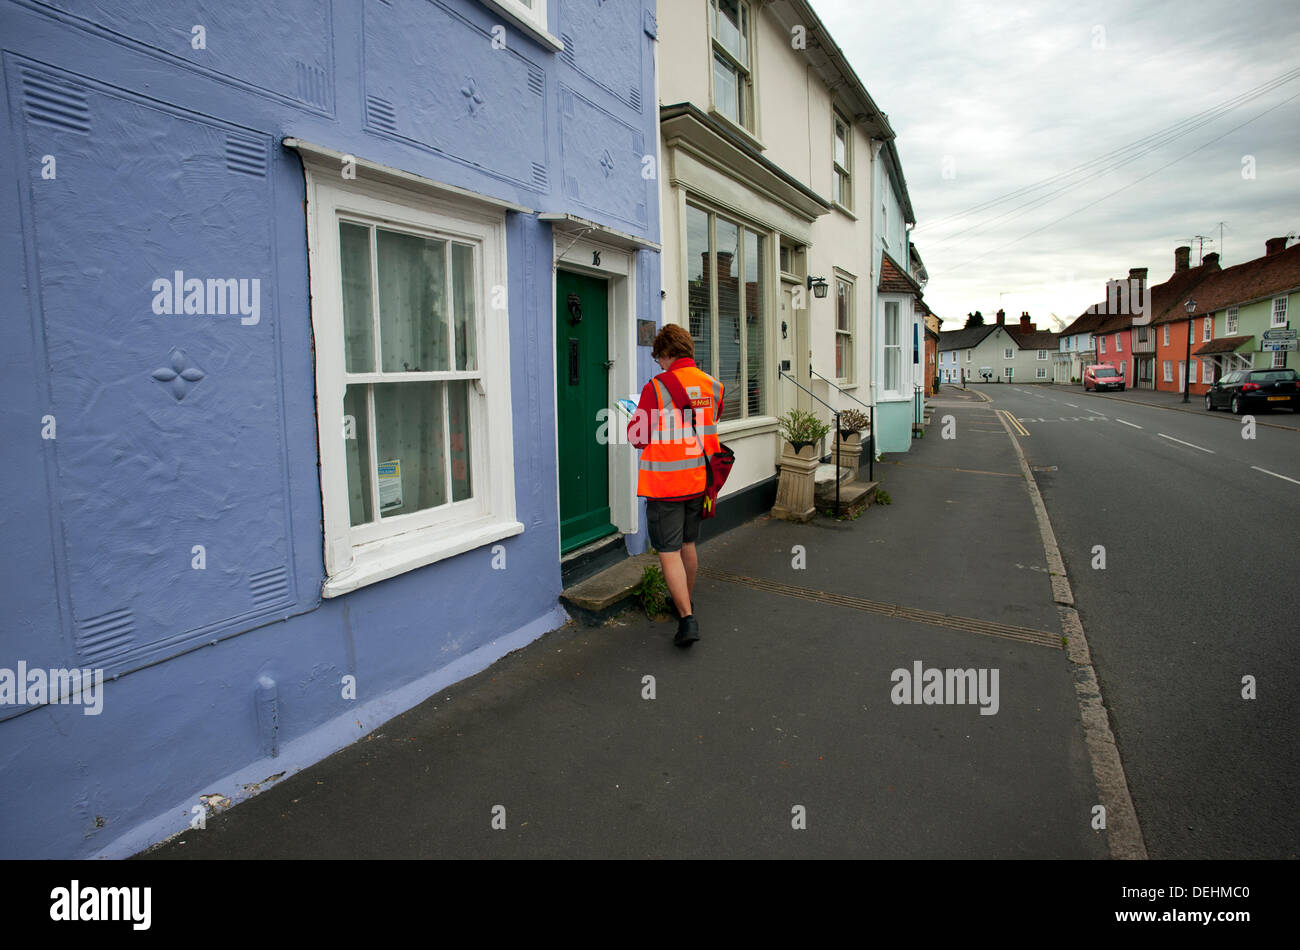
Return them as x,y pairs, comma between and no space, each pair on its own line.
673,341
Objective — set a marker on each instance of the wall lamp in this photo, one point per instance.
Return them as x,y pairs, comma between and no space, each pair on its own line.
818,286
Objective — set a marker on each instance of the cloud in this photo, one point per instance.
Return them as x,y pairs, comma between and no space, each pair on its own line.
1014,96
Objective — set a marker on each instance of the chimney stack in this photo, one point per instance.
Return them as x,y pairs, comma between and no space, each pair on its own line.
1211,260
1025,325
1182,258
1002,317
1140,274
1274,246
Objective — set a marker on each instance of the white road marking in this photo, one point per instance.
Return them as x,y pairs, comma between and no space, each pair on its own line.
1188,444
1275,475
1072,405
1129,424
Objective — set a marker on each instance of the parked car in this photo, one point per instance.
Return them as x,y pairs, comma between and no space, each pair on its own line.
1247,389
1101,376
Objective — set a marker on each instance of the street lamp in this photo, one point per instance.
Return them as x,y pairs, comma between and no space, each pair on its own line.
1190,306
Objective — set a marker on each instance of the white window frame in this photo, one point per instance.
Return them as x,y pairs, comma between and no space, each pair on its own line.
851,361
968,356
530,18
1040,372
746,77
1230,322
1008,353
1168,371
1207,330
1042,354
1123,370
1279,359
1207,371
1101,344
1009,371
1279,311
898,389
365,554
1191,372
842,175
1166,339
1119,346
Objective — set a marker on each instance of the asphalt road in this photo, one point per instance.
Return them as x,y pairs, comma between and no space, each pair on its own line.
1199,527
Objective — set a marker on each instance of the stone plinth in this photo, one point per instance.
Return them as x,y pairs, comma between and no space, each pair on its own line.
794,489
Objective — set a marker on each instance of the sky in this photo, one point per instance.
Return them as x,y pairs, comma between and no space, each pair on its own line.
987,99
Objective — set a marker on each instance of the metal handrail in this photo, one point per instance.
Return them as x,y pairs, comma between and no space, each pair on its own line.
837,433
871,422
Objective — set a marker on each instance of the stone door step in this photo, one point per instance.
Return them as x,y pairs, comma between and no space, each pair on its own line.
601,596
854,495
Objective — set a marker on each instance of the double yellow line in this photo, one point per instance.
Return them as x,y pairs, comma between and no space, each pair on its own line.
1012,421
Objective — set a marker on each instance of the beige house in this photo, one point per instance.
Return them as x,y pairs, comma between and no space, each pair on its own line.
769,147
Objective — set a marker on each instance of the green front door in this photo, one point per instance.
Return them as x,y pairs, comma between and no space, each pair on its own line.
582,387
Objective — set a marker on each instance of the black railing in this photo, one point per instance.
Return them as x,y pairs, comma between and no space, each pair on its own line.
871,425
836,413
918,408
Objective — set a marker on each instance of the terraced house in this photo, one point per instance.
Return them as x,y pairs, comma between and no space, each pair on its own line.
998,352
1237,307
777,209
304,303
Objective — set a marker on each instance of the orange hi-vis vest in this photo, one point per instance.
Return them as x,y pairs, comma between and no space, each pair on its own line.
673,464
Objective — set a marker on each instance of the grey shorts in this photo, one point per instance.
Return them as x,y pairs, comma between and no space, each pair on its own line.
673,523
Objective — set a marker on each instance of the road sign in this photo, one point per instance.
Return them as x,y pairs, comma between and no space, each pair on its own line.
1281,334
1276,346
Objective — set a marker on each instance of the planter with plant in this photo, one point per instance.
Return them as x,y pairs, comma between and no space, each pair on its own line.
852,424
795,489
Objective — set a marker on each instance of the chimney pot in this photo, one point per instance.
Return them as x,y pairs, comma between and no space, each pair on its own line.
1182,258
1002,317
1274,246
1210,260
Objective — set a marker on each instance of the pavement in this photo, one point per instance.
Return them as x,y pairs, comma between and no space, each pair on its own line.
778,735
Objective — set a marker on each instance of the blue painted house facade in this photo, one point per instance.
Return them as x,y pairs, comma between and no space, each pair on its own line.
292,293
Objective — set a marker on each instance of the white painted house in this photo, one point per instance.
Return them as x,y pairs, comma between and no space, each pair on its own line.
769,179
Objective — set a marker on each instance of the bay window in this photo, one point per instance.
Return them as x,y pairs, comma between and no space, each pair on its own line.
726,267
893,349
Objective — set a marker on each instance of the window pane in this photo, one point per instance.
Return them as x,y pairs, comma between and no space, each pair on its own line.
842,305
356,440
462,485
409,431
358,319
755,324
841,145
726,89
730,29
413,329
463,304
699,286
729,343
891,324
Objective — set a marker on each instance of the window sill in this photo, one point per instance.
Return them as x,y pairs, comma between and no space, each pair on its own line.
532,29
844,211
754,425
739,129
381,560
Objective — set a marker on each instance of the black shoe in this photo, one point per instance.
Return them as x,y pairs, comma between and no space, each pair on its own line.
688,631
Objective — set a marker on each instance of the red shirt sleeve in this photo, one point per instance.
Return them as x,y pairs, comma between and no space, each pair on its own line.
639,424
